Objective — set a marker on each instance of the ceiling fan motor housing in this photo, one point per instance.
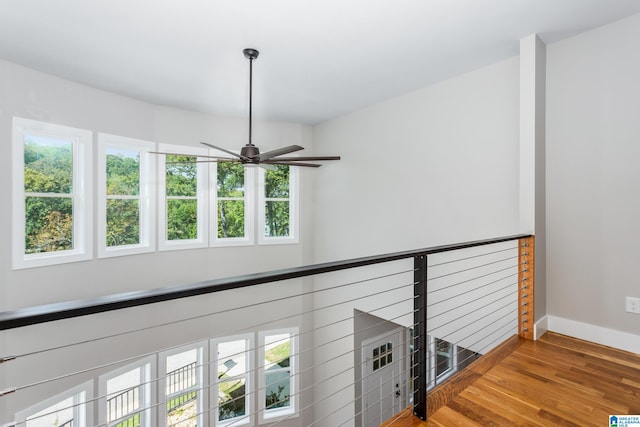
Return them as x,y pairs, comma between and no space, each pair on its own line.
249,151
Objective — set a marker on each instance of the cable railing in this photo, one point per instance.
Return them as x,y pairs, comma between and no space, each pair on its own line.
343,343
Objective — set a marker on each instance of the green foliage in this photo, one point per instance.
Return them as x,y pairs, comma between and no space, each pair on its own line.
277,398
276,186
123,222
279,354
230,212
133,421
123,175
181,177
48,168
231,400
182,219
230,179
48,225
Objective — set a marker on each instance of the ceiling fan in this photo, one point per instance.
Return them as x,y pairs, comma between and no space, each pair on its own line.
250,154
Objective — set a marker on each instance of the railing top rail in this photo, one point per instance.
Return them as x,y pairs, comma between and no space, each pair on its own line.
69,309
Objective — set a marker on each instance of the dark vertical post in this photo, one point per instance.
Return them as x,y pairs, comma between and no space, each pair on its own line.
420,337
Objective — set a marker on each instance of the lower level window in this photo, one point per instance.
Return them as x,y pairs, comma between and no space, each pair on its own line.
128,396
278,361
67,409
233,380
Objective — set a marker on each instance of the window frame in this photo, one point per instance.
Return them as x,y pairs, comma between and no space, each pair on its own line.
202,198
433,378
214,381
148,368
249,206
81,193
201,372
292,411
294,209
82,396
146,196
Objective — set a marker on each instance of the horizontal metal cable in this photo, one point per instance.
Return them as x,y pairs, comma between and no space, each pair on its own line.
253,349
495,321
251,371
84,371
475,267
472,356
331,395
493,341
473,301
70,309
472,279
202,316
475,289
476,311
471,257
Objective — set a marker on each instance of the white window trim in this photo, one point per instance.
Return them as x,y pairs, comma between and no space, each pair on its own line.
434,379
149,367
249,206
82,401
146,196
82,194
202,365
202,200
294,209
247,419
277,414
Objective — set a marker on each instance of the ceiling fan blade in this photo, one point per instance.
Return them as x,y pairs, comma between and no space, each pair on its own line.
221,160
226,151
313,158
192,155
284,150
277,162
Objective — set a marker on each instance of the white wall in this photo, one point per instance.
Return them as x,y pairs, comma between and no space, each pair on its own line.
435,166
34,95
593,174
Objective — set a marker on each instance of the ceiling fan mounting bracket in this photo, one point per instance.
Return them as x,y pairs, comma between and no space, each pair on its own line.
251,53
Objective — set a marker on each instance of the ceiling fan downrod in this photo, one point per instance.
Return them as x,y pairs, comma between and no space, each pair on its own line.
251,55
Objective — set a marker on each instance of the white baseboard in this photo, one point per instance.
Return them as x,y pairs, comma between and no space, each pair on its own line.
598,334
540,327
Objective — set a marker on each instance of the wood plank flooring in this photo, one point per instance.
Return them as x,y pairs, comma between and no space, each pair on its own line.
555,381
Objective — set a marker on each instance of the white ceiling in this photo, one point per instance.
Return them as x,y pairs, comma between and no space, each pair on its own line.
319,58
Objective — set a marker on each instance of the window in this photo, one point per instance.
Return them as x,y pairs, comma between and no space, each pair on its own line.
68,409
277,367
183,198
443,360
51,194
126,214
278,209
128,394
232,378
233,203
184,390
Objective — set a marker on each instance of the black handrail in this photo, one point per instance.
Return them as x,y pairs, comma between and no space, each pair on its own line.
66,310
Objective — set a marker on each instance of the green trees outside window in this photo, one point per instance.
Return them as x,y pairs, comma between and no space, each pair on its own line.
231,193
48,182
182,197
277,202
123,197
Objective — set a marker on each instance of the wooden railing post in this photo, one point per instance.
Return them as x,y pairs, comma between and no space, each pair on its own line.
526,249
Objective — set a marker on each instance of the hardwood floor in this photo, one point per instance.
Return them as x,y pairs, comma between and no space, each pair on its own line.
555,381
